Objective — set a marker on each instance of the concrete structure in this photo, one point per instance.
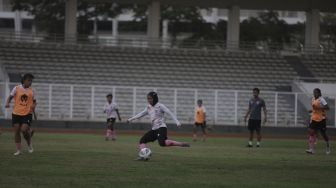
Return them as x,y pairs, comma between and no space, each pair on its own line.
70,19
312,8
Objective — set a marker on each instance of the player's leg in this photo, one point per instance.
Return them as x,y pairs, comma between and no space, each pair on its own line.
17,138
27,136
112,128
258,131
150,136
312,132
195,129
203,127
108,130
163,139
323,130
250,128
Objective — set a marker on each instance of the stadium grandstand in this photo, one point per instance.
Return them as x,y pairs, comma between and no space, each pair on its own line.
73,74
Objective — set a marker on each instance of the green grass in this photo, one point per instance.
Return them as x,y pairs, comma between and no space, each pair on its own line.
83,160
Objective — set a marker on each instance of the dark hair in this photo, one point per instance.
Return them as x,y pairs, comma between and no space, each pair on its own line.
256,89
155,97
318,90
109,95
26,76
199,100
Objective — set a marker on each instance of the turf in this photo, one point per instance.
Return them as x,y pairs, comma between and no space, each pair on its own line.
86,160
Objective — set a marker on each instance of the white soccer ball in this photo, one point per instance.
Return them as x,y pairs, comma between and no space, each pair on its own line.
145,153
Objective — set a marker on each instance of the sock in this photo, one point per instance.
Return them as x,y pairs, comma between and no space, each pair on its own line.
311,142
250,143
258,143
142,146
18,146
107,133
172,143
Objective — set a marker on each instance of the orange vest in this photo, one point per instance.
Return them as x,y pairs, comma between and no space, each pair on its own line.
23,101
318,113
199,115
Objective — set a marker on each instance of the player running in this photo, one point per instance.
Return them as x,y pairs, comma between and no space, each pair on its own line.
318,121
111,110
25,103
156,112
200,120
254,112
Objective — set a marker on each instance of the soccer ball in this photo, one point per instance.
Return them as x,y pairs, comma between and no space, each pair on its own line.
145,153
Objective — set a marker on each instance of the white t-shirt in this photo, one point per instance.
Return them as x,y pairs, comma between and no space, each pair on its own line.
156,115
110,109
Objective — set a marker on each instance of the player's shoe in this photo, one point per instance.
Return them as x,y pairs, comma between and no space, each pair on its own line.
184,144
114,139
141,159
328,150
258,145
309,151
30,149
249,145
18,152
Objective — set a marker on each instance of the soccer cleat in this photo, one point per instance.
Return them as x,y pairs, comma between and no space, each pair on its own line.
141,159
258,145
328,151
185,145
18,152
30,149
114,139
249,145
309,151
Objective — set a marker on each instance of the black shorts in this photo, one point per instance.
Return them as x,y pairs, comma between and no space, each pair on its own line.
110,122
202,125
152,135
27,119
318,125
254,125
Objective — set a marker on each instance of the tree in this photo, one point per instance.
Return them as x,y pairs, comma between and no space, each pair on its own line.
49,15
267,27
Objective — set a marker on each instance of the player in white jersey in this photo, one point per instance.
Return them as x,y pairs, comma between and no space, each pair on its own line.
111,110
156,112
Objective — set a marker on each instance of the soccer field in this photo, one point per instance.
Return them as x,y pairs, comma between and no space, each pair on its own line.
86,160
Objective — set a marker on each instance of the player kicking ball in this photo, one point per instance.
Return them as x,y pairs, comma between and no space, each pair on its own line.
156,112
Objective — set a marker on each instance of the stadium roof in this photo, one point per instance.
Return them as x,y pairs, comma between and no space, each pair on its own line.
290,5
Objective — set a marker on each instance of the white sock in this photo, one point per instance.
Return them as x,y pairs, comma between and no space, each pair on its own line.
258,143
250,142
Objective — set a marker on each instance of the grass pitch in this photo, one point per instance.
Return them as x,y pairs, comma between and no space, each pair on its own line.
86,160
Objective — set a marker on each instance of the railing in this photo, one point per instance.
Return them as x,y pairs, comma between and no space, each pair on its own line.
316,79
224,107
145,42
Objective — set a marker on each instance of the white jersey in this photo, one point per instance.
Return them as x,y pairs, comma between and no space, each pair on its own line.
156,114
110,110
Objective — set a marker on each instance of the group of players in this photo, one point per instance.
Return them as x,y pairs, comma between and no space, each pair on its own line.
25,103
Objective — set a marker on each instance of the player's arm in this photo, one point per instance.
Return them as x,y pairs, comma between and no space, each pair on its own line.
324,105
139,115
10,97
8,101
247,114
118,114
265,114
166,110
